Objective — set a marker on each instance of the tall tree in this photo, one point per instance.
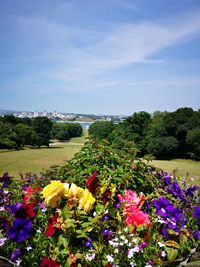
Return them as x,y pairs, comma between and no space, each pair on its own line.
42,126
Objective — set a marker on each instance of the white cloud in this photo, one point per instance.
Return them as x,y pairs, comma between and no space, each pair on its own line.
80,56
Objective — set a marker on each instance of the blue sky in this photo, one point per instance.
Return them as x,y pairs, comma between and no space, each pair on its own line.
99,57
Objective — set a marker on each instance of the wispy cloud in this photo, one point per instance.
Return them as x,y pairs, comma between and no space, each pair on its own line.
78,55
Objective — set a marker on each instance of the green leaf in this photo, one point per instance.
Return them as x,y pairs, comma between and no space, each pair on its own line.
172,243
172,253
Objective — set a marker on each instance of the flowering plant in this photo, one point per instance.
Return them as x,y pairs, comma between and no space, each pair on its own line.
97,210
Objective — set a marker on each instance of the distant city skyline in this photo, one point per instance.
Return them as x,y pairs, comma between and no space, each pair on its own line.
99,57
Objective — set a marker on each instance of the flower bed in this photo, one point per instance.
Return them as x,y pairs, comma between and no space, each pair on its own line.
103,208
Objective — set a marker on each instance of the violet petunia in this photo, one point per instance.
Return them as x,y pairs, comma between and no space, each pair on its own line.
196,214
163,207
21,229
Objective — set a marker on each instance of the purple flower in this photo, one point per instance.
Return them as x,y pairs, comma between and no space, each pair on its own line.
196,235
21,229
196,214
163,207
105,231
143,245
176,188
88,243
5,179
190,191
16,254
18,210
105,217
176,214
117,205
42,206
167,179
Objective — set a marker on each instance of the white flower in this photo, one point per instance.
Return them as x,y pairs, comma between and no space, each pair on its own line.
94,213
90,256
123,237
44,209
136,249
110,258
134,240
18,262
2,241
133,264
130,253
162,253
114,244
28,248
161,244
116,250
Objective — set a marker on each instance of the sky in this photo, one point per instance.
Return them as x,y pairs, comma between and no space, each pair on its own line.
99,56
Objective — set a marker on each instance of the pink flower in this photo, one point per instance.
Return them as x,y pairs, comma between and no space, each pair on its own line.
131,210
131,198
135,216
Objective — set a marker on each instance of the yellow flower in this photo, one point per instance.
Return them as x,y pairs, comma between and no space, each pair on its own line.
53,193
74,193
86,201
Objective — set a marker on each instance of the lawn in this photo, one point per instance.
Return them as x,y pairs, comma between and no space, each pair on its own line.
184,167
35,160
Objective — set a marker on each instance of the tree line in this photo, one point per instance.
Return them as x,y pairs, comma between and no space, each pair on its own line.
163,134
16,132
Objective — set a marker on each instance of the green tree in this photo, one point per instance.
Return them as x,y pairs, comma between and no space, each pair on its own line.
65,131
8,137
101,129
42,127
177,124
25,133
11,119
193,141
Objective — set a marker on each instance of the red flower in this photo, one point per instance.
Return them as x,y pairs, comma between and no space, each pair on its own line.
30,212
49,263
29,194
92,183
135,216
106,196
108,265
51,228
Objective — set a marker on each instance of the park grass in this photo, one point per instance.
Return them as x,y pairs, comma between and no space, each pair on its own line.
35,160
186,168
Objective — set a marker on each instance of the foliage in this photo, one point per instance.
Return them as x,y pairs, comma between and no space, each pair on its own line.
19,132
101,129
65,131
193,140
8,137
105,207
164,134
42,126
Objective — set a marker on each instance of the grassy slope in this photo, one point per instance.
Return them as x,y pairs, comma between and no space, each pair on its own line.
186,168
35,160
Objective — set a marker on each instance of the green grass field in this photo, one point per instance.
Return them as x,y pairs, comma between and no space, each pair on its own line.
184,167
35,160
